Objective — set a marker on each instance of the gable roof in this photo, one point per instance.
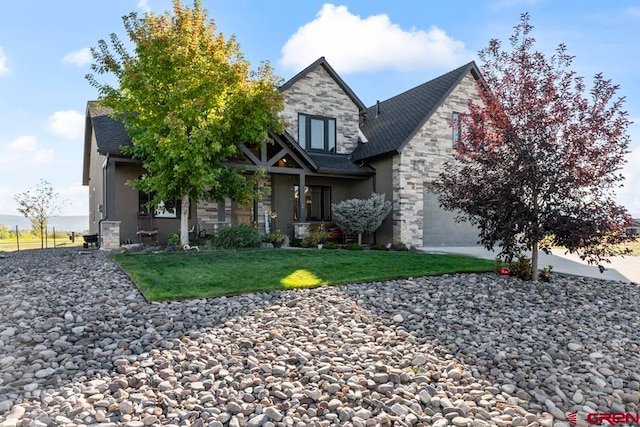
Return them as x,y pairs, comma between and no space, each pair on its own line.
324,163
401,116
110,133
322,62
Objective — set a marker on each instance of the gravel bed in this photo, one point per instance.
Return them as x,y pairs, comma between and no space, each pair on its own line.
79,345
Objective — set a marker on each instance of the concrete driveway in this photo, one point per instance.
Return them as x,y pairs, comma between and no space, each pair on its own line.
626,269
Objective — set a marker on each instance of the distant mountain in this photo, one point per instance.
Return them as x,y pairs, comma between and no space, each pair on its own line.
61,223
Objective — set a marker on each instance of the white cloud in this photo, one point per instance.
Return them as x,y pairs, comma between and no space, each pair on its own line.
79,57
502,4
76,199
23,143
634,11
68,124
4,63
144,5
42,156
7,204
11,153
354,44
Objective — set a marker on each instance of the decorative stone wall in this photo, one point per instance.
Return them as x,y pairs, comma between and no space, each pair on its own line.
421,161
317,93
209,215
110,235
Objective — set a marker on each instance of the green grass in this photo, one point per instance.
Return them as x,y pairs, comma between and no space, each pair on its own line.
10,245
182,275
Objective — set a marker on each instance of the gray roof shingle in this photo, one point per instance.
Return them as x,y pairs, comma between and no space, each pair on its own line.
110,133
339,164
401,116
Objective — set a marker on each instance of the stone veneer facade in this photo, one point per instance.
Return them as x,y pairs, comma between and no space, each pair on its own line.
421,161
317,93
110,235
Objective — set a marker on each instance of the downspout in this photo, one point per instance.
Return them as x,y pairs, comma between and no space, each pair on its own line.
104,212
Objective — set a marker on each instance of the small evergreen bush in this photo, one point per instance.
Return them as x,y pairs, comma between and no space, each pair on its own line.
399,247
521,268
237,236
357,216
380,247
354,247
295,243
330,245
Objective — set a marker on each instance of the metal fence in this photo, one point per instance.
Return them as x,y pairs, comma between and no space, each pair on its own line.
48,240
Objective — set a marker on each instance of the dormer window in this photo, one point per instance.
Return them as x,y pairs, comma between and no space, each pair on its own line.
317,133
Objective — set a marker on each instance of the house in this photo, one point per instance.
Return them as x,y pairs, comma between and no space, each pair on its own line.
334,148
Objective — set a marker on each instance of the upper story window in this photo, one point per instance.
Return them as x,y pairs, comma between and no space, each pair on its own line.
456,124
317,133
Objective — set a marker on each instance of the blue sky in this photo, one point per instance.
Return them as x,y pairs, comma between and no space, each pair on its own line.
380,49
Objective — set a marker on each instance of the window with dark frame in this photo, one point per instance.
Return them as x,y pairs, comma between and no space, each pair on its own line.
317,132
317,202
457,131
164,209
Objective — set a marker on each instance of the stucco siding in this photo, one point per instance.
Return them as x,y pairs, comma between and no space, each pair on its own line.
96,187
384,185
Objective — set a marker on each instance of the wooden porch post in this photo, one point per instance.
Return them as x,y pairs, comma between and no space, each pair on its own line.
302,207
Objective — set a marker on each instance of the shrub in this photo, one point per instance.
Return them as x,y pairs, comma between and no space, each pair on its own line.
354,247
330,245
399,247
237,236
357,216
380,247
545,274
318,236
295,243
274,237
521,268
173,239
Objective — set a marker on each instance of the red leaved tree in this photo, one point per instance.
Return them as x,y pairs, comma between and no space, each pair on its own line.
540,157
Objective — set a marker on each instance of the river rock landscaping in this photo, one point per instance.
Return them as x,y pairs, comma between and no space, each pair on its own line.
79,345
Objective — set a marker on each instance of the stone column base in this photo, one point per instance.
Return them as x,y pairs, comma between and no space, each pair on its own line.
110,235
300,230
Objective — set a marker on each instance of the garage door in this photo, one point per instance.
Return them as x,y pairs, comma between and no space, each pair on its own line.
440,227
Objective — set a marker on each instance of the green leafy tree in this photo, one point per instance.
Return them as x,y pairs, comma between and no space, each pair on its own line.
541,156
358,216
188,99
38,204
4,232
38,228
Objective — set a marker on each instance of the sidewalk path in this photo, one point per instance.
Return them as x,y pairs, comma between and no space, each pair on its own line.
626,269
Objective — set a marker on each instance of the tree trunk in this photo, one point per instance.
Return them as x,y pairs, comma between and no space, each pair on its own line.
41,236
184,220
534,262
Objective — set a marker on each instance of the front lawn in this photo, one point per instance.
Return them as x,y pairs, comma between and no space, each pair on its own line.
181,275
